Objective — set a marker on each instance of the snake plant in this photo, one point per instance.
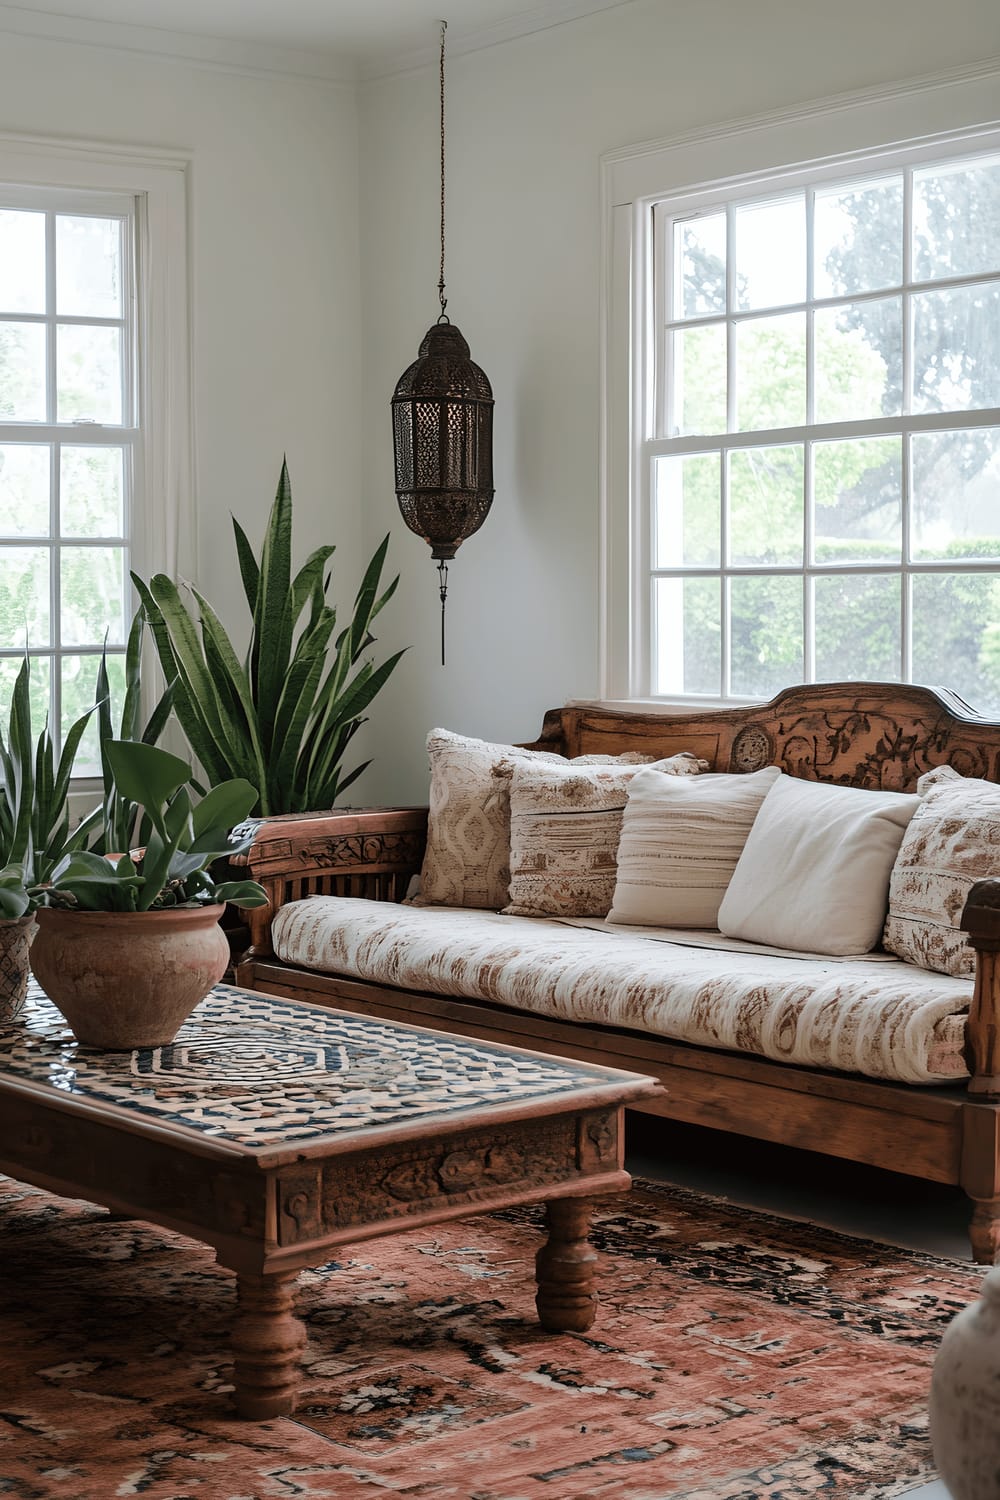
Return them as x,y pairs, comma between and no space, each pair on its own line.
282,717
34,815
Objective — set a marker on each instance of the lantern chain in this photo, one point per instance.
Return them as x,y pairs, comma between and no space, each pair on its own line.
443,318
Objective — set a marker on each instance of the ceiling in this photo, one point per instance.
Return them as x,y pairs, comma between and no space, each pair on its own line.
373,35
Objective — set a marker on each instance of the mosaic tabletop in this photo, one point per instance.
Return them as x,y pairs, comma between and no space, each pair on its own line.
260,1071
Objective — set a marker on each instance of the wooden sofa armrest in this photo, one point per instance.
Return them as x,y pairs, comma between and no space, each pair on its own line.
981,920
370,851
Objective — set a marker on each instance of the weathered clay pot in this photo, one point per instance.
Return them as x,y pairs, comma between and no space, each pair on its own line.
965,1399
128,979
15,940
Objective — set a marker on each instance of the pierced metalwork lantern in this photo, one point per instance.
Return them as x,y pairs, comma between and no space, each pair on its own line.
442,421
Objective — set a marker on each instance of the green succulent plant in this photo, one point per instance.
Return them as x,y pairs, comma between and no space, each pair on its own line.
185,838
34,813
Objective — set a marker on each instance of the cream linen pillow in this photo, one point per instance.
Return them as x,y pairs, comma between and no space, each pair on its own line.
565,823
953,840
681,838
467,857
814,875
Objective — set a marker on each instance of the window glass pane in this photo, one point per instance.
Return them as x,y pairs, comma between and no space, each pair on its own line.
22,372
859,360
79,688
766,635
698,398
24,597
771,253
93,595
24,489
956,351
699,266
956,211
91,492
857,493
88,267
771,372
858,238
39,677
955,478
857,628
686,518
89,373
956,635
766,505
22,261
687,635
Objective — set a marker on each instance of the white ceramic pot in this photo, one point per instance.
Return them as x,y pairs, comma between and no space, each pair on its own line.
965,1399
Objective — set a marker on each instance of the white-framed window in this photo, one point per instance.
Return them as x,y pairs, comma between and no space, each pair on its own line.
95,456
813,451
68,434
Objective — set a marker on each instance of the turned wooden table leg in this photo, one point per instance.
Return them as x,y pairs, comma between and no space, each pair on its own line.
984,1230
267,1341
564,1268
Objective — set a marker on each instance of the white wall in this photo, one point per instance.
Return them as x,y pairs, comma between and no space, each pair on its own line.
528,122
274,261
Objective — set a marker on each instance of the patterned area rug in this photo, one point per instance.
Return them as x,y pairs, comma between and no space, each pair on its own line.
735,1356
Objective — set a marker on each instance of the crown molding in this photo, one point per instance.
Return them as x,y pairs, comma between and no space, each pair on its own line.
988,69
538,18
228,55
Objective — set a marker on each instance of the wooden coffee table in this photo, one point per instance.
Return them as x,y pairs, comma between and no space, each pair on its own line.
274,1131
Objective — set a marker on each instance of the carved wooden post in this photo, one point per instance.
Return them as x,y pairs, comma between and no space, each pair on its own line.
981,1130
564,1268
267,1341
981,920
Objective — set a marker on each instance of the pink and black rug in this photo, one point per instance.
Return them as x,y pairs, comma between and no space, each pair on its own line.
735,1357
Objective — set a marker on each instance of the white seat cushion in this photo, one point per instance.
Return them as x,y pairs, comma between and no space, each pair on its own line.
885,1019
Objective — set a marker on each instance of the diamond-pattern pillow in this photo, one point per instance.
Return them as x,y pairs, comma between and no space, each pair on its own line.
467,859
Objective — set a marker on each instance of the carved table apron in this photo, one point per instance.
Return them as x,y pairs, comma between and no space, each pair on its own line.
273,1130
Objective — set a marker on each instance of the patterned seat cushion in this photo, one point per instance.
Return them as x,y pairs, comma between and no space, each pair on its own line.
886,1019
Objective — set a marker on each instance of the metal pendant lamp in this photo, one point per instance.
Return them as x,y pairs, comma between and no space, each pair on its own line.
442,424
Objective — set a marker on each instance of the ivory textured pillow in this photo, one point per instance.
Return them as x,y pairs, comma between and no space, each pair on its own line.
467,858
814,874
953,840
681,838
565,823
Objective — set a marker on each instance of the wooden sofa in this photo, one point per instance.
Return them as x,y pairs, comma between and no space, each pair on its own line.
866,735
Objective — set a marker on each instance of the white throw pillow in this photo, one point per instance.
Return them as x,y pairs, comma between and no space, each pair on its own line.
565,824
814,874
681,838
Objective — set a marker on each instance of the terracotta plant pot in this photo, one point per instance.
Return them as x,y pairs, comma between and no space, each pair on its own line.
15,940
128,979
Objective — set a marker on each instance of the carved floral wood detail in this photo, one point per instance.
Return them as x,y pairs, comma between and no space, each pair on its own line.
467,1168
856,734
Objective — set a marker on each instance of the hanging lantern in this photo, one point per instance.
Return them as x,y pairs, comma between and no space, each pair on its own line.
442,420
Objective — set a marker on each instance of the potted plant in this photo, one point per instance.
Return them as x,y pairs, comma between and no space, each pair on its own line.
128,943
34,831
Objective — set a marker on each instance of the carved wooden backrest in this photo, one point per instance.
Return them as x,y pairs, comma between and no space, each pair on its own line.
858,734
